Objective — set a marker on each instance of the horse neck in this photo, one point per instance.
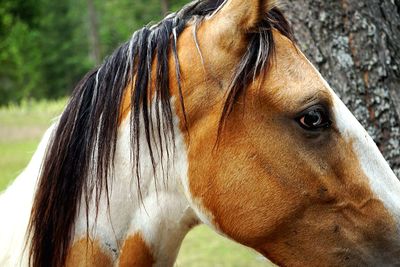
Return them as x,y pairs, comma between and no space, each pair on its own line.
159,215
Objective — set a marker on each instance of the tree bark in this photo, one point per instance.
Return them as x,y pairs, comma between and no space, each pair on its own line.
94,40
164,7
356,46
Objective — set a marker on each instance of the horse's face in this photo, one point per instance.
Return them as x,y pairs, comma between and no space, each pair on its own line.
294,175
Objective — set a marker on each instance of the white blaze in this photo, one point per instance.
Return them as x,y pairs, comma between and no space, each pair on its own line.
383,181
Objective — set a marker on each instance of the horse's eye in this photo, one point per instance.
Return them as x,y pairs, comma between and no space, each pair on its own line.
314,118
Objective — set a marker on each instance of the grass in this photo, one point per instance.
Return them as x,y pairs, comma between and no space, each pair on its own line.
21,128
14,157
202,247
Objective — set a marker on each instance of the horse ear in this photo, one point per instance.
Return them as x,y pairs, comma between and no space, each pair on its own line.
228,26
243,15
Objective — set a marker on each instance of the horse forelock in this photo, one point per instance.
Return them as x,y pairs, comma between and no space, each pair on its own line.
88,128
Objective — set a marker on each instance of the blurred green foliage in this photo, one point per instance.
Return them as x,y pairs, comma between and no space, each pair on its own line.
45,46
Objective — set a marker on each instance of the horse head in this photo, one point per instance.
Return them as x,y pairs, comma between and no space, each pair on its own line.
286,169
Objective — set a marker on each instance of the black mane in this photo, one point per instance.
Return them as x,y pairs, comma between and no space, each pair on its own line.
87,129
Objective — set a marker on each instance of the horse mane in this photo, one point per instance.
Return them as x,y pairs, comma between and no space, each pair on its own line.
87,130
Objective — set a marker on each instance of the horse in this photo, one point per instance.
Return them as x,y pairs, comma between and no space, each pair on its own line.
212,116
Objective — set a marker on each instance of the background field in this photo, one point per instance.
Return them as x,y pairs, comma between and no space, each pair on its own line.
21,128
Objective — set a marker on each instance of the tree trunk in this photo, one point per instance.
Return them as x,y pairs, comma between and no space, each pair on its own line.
356,46
94,39
164,7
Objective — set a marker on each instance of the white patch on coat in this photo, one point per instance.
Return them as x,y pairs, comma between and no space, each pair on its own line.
163,216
